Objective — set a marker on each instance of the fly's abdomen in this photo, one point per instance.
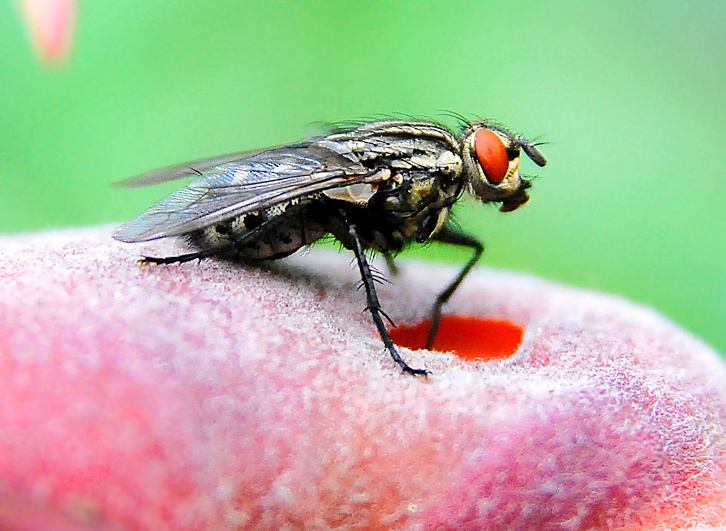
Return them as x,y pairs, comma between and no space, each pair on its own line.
267,234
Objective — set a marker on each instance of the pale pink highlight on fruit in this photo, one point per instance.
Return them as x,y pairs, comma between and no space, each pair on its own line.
212,396
51,24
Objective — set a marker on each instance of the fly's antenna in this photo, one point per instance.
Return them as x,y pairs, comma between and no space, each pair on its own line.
530,148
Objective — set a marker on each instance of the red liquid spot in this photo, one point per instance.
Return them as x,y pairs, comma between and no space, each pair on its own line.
470,338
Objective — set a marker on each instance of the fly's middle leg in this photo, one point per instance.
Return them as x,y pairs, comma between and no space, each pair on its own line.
374,306
453,237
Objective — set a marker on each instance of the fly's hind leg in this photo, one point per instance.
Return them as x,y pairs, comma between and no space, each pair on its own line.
453,237
182,258
233,247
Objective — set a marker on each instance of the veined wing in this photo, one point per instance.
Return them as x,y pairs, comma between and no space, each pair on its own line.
249,184
194,168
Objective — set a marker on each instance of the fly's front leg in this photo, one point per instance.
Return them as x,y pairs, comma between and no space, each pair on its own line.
374,306
453,237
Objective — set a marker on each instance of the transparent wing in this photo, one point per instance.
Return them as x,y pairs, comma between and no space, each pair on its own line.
237,187
195,168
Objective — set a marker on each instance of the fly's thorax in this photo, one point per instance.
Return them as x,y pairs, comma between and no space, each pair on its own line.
449,164
360,193
443,162
412,192
411,208
403,146
416,165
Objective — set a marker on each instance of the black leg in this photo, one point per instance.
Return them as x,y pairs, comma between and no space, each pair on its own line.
374,306
233,246
454,237
205,253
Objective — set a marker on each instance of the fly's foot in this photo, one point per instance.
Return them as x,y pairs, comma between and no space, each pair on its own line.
405,366
147,260
416,372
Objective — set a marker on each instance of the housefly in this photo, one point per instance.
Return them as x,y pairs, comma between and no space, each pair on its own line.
374,186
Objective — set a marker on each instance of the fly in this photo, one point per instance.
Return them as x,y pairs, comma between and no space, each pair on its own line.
380,186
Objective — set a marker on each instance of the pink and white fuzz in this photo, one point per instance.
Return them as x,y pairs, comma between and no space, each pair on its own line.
213,396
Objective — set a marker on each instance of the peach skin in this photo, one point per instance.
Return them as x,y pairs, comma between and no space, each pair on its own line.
217,396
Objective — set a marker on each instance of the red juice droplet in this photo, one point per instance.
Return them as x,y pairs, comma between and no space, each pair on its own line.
470,338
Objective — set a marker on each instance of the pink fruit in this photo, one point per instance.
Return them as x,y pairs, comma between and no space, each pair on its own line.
214,396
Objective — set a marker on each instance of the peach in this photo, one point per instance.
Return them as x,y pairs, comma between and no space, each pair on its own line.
215,396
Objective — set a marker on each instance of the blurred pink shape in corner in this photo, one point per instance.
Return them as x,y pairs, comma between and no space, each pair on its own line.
51,24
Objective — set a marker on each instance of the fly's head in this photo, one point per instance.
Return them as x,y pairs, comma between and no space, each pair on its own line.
491,164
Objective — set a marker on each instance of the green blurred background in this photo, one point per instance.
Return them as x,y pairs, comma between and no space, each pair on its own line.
629,95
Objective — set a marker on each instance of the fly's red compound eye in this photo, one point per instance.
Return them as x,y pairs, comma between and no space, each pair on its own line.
492,155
